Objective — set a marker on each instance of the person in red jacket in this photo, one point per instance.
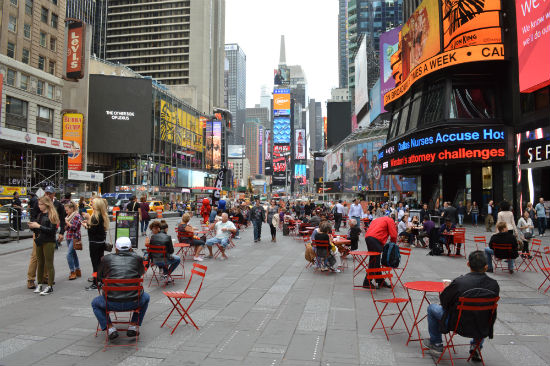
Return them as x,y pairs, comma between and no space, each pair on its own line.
205,210
379,231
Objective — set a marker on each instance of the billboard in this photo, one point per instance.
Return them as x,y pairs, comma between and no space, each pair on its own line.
376,102
361,77
281,155
389,44
300,173
300,144
281,130
267,144
73,125
119,115
213,144
532,21
75,50
260,149
469,23
236,151
333,164
281,76
338,125
281,102
180,127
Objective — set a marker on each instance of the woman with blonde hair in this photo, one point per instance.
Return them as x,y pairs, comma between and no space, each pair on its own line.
98,226
190,238
45,229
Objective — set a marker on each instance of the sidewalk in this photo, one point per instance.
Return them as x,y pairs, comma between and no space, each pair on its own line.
260,307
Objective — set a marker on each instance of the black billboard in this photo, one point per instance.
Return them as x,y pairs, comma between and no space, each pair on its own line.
338,122
119,114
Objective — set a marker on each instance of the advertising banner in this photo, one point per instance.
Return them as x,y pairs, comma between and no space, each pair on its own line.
213,144
281,76
216,194
260,149
281,102
361,77
300,173
469,23
300,144
126,225
281,130
179,127
9,191
281,155
73,125
75,50
533,30
267,143
389,44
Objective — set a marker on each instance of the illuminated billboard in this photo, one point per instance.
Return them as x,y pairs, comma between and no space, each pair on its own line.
361,77
281,102
281,76
300,144
281,155
267,143
213,144
300,173
281,130
389,44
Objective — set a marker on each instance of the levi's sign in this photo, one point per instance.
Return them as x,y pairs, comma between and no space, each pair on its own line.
75,51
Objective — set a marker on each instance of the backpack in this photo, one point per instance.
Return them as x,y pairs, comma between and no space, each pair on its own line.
391,256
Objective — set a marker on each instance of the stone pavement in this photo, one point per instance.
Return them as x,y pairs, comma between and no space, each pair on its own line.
261,307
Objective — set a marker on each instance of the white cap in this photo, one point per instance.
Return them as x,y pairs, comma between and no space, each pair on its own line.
123,243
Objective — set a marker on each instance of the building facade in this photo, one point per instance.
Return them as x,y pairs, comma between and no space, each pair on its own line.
235,89
259,114
253,135
82,10
343,43
315,126
241,171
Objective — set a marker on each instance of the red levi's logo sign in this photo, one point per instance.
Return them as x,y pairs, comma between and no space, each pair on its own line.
75,51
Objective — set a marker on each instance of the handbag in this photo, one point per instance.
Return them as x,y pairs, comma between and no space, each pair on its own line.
109,244
77,244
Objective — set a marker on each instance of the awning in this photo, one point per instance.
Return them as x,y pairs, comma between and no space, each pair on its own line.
207,188
13,138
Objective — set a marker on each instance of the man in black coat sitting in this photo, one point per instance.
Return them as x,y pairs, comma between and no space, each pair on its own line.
504,236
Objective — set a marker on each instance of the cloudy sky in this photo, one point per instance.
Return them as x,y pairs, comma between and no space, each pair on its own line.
310,28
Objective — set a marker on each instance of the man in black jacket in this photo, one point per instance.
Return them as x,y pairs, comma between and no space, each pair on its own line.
124,264
160,238
504,236
443,318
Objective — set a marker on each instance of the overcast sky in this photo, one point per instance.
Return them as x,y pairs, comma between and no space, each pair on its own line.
310,28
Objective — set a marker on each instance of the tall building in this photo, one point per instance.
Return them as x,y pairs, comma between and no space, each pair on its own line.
241,170
343,43
315,126
252,131
235,89
260,114
83,10
99,38
265,98
32,53
180,43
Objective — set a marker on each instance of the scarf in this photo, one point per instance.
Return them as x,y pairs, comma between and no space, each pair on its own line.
70,217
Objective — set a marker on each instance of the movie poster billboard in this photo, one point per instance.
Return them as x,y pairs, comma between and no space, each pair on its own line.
333,164
209,143
73,125
389,45
217,144
300,144
300,173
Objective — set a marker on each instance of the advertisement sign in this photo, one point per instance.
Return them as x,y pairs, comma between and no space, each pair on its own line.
300,173
490,52
180,127
84,176
73,125
213,144
281,130
33,139
333,164
361,77
281,76
420,36
300,144
9,191
75,50
260,149
236,151
533,31
281,157
281,102
126,225
470,23
216,194
267,143
389,44
375,102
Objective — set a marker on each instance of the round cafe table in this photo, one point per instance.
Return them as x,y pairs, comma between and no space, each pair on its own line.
425,287
360,257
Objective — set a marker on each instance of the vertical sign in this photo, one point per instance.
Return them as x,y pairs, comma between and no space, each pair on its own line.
300,144
127,224
72,131
260,150
209,145
267,154
75,51
389,44
217,144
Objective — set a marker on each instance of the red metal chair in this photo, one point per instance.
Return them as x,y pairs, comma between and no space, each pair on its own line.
534,252
176,297
187,252
157,249
405,254
115,285
543,262
460,238
465,305
480,240
499,262
320,246
384,273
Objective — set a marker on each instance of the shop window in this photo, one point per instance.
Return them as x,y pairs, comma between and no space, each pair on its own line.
433,105
11,50
472,103
10,77
24,82
487,177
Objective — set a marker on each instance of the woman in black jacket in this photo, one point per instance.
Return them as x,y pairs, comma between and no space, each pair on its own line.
45,229
97,225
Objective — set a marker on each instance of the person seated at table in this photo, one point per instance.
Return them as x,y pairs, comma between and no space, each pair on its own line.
224,228
164,226
160,238
427,227
123,264
404,230
443,318
504,236
447,240
315,220
191,240
236,218
354,232
322,233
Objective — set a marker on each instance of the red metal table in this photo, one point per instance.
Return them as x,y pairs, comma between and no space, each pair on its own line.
425,287
361,257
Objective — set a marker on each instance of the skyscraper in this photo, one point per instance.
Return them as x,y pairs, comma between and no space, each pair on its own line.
315,126
253,131
83,10
343,43
235,89
179,43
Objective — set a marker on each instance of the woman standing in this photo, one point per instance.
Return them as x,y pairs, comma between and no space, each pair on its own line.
44,229
272,213
97,225
144,210
81,205
72,233
474,211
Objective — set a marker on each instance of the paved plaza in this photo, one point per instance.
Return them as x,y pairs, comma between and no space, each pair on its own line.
260,307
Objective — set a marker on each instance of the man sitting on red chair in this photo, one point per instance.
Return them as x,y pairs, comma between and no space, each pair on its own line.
504,236
443,318
124,264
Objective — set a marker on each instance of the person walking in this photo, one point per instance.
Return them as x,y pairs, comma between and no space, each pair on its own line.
339,211
461,212
474,212
540,214
44,229
257,216
488,212
355,211
73,222
16,213
273,220
144,213
97,225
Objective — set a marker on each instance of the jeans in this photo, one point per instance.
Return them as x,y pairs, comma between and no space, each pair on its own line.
337,221
144,225
257,230
542,225
98,306
435,314
44,258
172,261
72,258
460,219
489,254
223,242
474,218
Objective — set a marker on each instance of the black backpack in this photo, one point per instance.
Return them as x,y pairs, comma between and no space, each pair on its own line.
435,246
390,255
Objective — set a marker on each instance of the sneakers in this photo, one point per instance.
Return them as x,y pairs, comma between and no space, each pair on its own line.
435,348
113,333
38,289
132,331
92,287
475,356
198,259
48,290
384,284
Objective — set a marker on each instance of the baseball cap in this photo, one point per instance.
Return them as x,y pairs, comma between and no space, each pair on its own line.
123,243
49,189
